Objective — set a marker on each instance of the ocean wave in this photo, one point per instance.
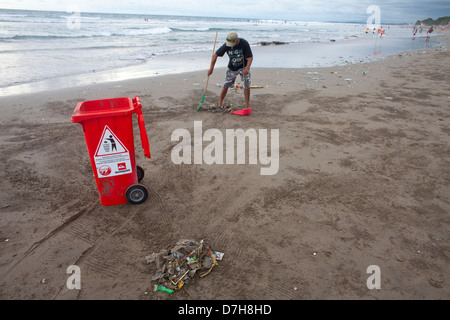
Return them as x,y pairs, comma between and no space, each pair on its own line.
123,32
143,31
49,36
82,18
47,46
190,29
13,15
84,49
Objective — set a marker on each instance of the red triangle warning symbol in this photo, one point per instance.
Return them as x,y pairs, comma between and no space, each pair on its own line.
109,144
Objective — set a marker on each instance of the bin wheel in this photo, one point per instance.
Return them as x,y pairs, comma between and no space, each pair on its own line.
136,194
140,173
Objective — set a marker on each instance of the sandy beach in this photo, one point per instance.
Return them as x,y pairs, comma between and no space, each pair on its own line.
363,180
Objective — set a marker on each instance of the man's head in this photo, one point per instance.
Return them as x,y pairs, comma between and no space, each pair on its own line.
232,39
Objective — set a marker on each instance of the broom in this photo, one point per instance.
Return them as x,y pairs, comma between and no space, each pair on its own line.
207,80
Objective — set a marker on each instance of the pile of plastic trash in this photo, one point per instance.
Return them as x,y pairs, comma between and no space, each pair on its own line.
177,266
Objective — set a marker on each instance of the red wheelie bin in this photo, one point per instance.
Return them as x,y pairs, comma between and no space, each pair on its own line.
108,131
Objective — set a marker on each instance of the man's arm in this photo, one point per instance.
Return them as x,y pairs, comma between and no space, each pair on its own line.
249,63
213,63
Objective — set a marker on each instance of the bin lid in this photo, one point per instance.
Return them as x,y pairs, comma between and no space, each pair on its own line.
92,109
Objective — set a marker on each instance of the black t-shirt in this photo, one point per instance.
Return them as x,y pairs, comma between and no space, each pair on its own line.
236,54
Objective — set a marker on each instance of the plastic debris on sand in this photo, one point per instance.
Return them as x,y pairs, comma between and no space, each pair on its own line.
178,266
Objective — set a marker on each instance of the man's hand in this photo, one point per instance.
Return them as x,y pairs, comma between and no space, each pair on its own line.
210,71
247,67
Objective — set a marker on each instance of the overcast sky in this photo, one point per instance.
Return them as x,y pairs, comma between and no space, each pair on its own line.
391,11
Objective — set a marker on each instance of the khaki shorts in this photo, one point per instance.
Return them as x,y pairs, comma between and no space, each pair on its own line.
231,78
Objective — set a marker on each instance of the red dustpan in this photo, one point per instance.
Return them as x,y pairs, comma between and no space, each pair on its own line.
243,112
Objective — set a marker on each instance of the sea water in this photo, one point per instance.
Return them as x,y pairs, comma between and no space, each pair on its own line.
73,48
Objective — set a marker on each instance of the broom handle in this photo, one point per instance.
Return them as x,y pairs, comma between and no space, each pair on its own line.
214,48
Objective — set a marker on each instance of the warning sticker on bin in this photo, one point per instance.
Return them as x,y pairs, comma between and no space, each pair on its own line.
111,157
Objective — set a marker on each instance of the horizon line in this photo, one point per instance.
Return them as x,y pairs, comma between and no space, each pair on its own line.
215,17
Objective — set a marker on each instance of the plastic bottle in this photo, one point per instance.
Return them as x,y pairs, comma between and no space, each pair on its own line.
163,289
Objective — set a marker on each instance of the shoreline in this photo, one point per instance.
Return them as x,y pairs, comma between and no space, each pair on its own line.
293,56
43,91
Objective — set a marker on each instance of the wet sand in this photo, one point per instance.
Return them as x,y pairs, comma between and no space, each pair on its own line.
366,48
363,180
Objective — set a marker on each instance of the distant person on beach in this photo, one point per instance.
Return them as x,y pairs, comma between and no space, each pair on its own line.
240,59
414,33
427,40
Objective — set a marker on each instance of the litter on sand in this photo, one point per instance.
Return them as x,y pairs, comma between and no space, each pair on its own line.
243,112
178,266
239,86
